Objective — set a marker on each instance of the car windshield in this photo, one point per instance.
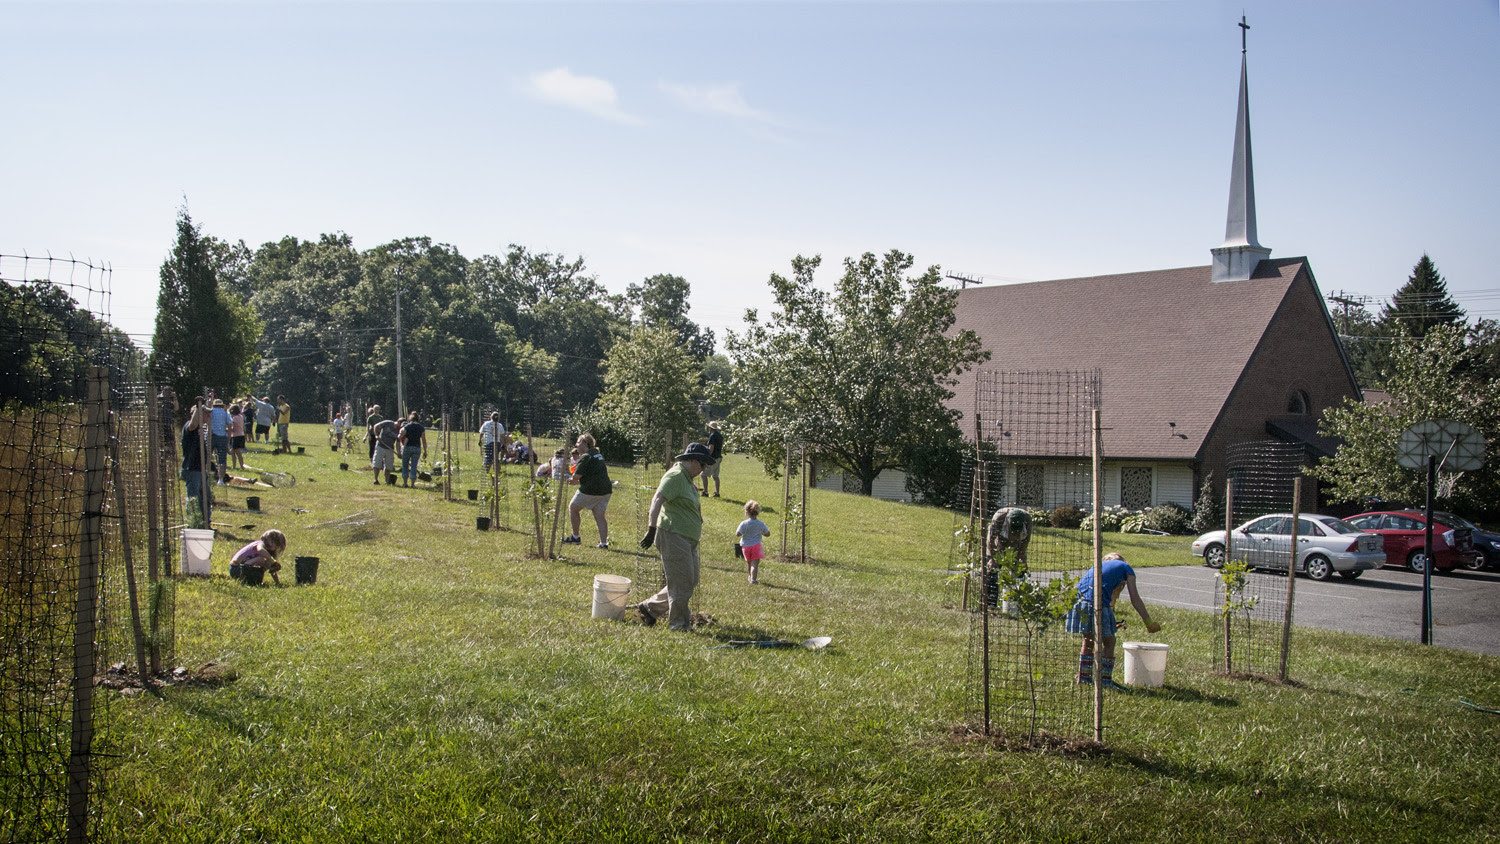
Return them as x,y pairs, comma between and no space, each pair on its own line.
1338,526
1456,521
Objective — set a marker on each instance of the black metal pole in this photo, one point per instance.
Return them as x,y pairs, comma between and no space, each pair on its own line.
1427,549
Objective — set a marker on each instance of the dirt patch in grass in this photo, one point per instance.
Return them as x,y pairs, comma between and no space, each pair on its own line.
1042,742
125,681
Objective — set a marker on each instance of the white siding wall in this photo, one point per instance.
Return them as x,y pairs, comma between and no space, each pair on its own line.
890,485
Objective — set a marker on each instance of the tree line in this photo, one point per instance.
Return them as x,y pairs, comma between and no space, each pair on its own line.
317,321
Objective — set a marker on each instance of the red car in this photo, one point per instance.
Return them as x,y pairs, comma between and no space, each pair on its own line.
1405,539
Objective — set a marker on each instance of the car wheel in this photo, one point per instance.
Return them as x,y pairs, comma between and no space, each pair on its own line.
1474,563
1213,556
1319,568
1417,561
1352,574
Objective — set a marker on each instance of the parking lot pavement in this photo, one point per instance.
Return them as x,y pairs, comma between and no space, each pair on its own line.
1385,602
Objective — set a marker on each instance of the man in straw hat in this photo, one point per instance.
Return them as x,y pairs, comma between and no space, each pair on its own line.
675,509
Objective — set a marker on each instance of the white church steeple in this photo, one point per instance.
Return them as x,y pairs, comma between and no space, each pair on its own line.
1235,260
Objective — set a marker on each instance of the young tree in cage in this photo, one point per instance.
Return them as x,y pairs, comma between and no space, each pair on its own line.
860,374
1037,606
204,334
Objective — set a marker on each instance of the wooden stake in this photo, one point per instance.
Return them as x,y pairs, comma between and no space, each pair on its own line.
1291,581
86,604
122,513
1098,622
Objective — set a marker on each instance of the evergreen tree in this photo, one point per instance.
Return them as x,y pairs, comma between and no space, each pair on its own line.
1420,304
205,336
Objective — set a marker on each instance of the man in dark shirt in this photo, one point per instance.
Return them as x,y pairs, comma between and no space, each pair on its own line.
594,490
716,450
192,458
413,449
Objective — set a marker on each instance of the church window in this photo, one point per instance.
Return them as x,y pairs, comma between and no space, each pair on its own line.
1297,404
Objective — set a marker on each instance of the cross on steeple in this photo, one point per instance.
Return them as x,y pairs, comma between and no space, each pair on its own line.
1244,30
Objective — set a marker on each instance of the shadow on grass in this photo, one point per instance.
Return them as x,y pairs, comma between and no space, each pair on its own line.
1179,694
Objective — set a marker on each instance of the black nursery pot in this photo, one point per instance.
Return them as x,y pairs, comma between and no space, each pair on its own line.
333,448
253,503
252,575
307,571
390,478
482,523
343,467
473,495
424,477
301,449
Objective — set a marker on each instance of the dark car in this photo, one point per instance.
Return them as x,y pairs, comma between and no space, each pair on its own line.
1486,542
1405,539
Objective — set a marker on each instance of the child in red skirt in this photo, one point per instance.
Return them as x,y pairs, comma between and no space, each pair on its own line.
750,532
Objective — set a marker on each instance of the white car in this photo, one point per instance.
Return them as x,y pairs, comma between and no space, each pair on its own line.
1324,545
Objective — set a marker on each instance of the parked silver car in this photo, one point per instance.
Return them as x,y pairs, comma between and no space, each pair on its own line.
1324,545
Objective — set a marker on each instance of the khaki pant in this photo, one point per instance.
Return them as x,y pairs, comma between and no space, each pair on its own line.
679,562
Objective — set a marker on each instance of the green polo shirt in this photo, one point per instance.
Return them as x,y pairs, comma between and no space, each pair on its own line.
680,513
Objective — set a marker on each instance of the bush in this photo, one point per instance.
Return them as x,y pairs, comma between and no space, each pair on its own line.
610,437
1172,519
1110,519
1065,516
1208,510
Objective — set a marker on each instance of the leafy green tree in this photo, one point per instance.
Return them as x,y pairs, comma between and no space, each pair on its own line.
556,306
860,375
47,344
205,335
1432,377
662,301
650,382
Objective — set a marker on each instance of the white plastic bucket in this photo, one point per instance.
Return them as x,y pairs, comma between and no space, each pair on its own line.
1145,664
610,591
197,549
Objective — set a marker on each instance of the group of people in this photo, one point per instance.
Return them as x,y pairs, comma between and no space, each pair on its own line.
228,428
388,438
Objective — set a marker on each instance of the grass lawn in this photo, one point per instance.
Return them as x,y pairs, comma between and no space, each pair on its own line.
440,685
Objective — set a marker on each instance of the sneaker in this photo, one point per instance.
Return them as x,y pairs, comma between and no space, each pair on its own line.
570,540
604,545
646,617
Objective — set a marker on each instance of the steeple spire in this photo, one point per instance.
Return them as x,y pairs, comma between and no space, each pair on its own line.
1235,260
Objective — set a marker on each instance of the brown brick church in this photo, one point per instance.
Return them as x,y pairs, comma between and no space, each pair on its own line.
1193,360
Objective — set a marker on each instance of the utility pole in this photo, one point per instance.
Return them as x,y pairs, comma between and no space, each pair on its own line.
964,279
400,382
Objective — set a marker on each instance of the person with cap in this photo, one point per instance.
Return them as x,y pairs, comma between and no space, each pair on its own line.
594,490
372,418
715,451
674,525
218,437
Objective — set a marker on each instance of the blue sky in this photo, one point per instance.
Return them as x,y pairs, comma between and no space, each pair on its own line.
715,140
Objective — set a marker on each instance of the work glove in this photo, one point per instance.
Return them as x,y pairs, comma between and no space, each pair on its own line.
649,538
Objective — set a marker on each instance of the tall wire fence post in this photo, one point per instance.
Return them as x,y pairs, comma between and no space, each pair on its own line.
1098,570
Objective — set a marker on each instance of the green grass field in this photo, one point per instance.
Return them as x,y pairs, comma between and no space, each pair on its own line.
438,684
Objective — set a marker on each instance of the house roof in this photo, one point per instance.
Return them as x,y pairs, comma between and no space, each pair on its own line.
1170,345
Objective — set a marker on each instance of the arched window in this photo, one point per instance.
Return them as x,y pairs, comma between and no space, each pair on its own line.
1297,404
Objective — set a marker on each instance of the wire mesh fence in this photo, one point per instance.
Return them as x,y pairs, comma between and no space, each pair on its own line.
1256,604
1034,444
88,506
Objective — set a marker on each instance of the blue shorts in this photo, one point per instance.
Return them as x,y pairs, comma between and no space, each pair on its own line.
1081,619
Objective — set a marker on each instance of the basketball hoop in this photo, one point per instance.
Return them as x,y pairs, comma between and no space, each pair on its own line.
1458,447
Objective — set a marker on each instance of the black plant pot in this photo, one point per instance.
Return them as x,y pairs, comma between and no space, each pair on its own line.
301,449
482,523
253,503
252,575
390,479
473,495
344,467
307,570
